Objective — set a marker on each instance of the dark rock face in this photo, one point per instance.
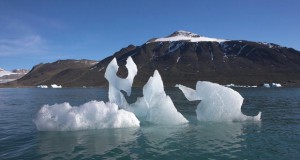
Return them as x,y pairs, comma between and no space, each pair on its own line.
184,62
238,62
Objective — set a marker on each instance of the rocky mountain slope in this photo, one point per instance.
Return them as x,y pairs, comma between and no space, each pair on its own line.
183,57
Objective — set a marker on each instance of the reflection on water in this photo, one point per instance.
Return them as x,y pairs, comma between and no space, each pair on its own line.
193,140
79,143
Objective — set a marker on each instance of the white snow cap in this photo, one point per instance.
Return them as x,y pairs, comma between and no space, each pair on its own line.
187,36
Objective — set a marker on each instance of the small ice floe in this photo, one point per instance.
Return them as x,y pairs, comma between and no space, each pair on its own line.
276,85
42,86
273,85
266,85
239,86
55,86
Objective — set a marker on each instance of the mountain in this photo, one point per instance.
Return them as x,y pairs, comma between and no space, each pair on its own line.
59,72
183,57
7,76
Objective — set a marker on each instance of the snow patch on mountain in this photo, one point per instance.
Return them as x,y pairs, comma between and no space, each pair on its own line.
7,76
187,36
5,73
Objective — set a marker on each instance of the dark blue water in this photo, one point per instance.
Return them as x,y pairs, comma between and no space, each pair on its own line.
277,136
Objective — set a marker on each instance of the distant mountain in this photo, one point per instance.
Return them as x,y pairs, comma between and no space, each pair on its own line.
59,72
7,76
183,57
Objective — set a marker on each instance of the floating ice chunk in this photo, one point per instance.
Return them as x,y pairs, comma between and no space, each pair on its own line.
55,86
218,103
276,85
189,93
91,115
239,86
42,86
155,106
116,84
266,85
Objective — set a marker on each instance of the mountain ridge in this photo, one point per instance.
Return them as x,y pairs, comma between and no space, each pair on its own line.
185,60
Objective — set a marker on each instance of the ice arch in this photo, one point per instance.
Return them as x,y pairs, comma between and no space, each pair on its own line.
116,84
218,103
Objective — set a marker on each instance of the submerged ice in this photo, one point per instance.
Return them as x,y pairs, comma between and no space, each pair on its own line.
218,103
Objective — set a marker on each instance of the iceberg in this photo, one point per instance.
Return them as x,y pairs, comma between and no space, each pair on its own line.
276,85
218,103
42,86
239,86
55,86
266,85
91,115
116,84
271,85
155,106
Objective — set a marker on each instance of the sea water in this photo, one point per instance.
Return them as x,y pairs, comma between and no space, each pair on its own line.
276,136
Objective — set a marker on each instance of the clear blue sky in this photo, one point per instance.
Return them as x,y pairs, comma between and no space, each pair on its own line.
34,31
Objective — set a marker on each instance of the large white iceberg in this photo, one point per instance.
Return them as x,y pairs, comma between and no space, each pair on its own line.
155,106
218,103
91,115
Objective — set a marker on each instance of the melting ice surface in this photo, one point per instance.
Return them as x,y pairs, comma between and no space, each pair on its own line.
155,106
91,115
218,103
94,114
116,84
